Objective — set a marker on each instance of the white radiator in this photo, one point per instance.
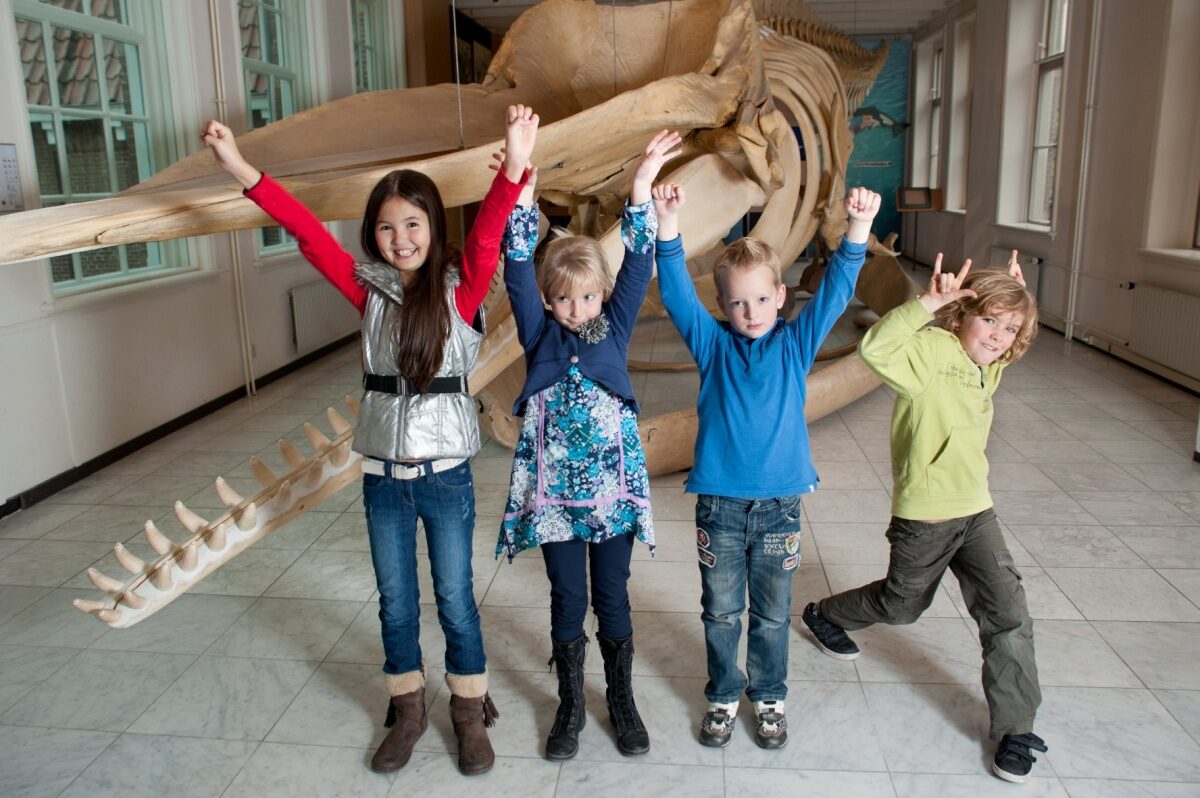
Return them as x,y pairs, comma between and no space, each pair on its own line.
320,315
1166,328
1031,266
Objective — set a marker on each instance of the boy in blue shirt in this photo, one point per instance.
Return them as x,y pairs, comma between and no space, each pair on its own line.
752,461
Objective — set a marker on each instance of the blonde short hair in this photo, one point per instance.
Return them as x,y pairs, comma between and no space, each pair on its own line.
572,262
746,253
995,292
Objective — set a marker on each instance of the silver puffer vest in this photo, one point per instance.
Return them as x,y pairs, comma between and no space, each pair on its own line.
419,426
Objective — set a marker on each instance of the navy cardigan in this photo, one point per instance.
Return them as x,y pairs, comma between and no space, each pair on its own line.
551,349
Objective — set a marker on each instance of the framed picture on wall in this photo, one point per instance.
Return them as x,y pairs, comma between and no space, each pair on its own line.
916,198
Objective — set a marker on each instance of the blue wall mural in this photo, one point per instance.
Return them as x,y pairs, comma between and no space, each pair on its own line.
880,129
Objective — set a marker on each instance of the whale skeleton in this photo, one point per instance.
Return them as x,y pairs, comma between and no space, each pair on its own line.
741,80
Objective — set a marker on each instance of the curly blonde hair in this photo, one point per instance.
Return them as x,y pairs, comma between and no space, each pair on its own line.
995,292
571,261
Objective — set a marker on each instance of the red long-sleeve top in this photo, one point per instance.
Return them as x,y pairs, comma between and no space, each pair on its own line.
481,252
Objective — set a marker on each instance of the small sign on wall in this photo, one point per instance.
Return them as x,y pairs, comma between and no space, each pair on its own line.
11,198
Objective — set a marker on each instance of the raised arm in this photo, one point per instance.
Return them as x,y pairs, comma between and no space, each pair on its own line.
481,250
697,326
316,244
639,225
892,348
520,241
819,315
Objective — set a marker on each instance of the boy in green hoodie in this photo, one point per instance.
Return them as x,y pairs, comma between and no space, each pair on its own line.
944,376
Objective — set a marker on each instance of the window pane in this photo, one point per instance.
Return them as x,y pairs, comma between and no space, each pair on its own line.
141,256
130,143
272,40
935,132
1049,108
261,33
62,268
68,5
100,261
364,53
109,9
1056,27
1041,184
45,152
281,98
258,97
33,61
75,58
121,67
87,156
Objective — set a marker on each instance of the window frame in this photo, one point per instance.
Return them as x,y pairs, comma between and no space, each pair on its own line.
1050,63
937,62
149,126
958,147
378,16
290,30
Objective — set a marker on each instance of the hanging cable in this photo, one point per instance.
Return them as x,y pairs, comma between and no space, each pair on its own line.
462,137
667,46
614,46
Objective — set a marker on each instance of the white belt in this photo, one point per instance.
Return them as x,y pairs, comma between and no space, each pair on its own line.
404,471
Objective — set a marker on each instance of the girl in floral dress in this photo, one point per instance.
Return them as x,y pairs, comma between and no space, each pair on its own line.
579,486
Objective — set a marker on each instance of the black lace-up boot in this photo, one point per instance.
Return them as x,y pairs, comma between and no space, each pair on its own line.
618,673
570,718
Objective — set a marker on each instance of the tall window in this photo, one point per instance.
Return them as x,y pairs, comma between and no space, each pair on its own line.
960,115
1043,170
935,116
85,71
270,68
369,66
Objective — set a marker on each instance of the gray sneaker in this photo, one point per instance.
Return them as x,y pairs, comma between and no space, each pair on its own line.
770,729
831,638
716,729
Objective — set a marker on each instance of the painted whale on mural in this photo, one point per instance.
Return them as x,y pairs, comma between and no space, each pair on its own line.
869,116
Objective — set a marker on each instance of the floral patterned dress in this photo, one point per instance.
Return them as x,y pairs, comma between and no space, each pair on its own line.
579,470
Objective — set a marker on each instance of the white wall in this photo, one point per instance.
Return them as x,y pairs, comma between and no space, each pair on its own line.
84,374
1142,182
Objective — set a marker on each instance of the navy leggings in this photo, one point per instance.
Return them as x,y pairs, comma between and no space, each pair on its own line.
566,566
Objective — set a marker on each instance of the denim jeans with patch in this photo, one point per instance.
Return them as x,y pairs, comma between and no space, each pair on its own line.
747,545
445,503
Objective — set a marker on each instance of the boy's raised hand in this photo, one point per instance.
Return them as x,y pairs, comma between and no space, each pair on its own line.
219,138
668,199
520,134
945,287
1014,269
861,204
662,148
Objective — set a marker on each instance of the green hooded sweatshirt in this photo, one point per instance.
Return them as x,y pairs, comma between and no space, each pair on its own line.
941,419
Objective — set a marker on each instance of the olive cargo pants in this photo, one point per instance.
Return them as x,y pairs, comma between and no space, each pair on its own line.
974,549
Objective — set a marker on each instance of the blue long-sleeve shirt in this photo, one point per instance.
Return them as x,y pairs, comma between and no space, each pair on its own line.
752,440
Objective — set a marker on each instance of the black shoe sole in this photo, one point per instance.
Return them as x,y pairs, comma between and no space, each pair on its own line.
829,652
1015,778
771,746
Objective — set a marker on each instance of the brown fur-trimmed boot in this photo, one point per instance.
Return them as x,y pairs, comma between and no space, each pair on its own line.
406,718
472,710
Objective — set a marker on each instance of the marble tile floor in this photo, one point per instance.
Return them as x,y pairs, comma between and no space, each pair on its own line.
265,680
